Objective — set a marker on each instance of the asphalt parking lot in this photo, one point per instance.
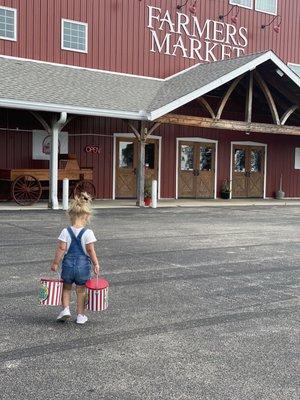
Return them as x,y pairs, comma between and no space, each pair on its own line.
203,304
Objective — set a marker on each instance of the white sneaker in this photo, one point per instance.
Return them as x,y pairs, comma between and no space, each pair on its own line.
81,319
64,315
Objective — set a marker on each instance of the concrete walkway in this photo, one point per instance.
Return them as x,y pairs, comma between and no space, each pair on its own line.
99,204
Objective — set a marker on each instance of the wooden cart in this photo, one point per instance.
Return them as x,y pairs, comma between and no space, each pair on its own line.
26,185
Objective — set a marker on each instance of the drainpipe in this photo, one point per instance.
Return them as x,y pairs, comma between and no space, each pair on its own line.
55,130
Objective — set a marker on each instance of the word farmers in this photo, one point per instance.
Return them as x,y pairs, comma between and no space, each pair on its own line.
187,37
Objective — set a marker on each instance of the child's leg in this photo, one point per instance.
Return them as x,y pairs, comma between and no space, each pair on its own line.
66,295
80,290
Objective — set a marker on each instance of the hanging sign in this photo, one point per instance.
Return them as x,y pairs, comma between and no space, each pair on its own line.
183,35
91,148
41,144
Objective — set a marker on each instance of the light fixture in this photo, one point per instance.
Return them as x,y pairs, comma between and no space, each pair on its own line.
276,27
279,72
192,7
234,18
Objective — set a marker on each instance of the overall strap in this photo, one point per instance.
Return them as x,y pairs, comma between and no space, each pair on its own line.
77,239
81,234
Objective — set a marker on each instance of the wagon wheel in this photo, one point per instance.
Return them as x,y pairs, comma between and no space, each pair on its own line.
26,190
85,186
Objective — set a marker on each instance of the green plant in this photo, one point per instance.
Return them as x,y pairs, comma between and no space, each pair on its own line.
225,186
225,190
147,190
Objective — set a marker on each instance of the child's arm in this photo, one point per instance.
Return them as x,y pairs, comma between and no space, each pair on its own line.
60,251
91,252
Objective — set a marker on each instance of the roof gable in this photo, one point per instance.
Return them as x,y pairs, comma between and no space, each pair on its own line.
43,86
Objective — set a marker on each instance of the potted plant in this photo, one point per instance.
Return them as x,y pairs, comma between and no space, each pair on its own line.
147,194
225,190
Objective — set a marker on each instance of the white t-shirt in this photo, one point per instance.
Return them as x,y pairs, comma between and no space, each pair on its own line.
87,237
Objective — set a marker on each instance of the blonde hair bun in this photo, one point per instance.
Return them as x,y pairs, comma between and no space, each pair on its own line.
80,206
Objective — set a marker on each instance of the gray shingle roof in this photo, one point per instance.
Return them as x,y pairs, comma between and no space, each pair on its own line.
26,83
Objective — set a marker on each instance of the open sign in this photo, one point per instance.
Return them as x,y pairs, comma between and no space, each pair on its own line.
92,149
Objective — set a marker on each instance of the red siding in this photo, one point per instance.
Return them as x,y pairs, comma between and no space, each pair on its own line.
280,158
16,151
119,39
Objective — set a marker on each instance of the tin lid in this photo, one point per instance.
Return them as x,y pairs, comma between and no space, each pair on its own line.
96,283
51,280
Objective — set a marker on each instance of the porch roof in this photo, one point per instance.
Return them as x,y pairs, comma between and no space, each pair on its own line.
44,86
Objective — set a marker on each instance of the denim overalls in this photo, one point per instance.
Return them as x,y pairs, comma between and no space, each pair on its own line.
76,265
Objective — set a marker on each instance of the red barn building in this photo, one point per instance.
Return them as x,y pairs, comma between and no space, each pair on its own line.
196,94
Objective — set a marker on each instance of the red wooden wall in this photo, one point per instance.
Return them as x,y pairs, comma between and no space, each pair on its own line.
119,39
16,151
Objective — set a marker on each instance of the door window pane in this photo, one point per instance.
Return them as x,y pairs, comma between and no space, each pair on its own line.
205,159
149,155
239,160
187,158
125,155
255,161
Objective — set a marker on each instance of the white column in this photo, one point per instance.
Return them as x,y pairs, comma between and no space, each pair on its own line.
154,194
54,168
65,194
55,129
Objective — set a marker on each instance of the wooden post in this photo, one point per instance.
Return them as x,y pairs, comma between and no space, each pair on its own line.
140,186
142,134
249,99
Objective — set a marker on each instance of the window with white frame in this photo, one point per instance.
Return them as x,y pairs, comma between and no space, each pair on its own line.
242,3
74,36
8,23
297,157
266,6
295,68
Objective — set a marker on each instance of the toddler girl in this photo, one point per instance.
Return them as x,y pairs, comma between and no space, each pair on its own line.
76,246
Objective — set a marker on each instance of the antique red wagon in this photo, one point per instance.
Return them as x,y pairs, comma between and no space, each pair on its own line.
25,185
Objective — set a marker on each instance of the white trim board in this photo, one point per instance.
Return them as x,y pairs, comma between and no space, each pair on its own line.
95,112
132,136
103,71
198,140
249,143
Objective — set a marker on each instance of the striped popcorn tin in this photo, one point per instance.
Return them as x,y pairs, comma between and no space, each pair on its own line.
97,294
50,292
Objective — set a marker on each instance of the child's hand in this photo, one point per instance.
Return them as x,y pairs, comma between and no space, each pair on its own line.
54,267
96,269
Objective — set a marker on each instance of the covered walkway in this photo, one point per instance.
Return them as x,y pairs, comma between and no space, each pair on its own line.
165,203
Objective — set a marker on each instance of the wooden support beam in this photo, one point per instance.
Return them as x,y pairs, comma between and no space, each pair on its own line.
42,121
152,129
134,130
207,106
249,99
287,114
268,96
227,95
186,120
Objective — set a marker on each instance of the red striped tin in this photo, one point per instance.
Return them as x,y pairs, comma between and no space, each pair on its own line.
50,292
96,294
